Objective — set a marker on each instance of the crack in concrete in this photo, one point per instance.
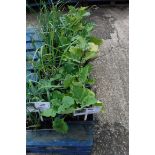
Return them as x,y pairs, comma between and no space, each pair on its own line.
118,38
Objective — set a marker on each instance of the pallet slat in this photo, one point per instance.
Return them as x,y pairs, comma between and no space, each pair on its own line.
31,76
32,46
52,138
29,67
64,151
33,42
31,30
31,55
79,139
33,36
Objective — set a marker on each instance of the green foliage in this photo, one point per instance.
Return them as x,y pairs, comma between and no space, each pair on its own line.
67,102
53,110
82,95
62,66
96,40
57,95
68,80
49,112
60,125
84,73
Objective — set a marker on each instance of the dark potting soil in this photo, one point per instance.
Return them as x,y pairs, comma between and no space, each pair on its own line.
47,121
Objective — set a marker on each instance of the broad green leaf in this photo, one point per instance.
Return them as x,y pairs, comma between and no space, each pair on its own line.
61,70
89,27
68,80
52,111
48,113
82,43
68,111
69,68
57,95
93,47
90,93
77,91
84,73
88,100
96,40
99,103
44,84
55,102
60,125
67,102
83,96
75,53
90,81
89,55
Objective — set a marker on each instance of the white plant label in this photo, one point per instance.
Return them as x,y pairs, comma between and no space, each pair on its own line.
38,106
42,105
32,109
87,111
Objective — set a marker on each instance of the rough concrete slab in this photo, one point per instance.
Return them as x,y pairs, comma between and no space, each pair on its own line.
111,71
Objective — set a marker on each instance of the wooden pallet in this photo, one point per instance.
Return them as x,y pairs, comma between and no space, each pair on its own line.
78,141
33,42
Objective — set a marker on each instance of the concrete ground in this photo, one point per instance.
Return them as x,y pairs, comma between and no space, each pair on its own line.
111,71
